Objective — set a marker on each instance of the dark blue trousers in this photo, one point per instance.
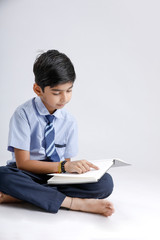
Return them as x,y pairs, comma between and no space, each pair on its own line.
33,188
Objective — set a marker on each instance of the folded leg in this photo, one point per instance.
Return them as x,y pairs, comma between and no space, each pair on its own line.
99,190
30,188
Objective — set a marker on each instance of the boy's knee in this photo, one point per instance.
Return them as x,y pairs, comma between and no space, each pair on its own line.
107,185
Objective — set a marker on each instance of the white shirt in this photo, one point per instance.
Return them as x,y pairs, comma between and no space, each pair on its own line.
27,127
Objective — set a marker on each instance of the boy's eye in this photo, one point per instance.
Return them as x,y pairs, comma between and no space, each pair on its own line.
58,93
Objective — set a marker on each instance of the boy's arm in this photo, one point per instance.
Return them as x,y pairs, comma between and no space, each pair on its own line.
39,167
68,159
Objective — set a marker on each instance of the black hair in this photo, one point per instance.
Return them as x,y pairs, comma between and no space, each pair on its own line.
52,68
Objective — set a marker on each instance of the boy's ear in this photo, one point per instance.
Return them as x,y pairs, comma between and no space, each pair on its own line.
37,89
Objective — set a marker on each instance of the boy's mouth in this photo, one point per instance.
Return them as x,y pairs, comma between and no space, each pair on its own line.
60,105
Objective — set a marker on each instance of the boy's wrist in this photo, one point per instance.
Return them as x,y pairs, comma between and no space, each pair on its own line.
63,170
59,168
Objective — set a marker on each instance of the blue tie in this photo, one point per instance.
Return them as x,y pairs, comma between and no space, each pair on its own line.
51,152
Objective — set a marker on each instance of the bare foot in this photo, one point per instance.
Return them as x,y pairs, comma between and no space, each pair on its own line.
4,198
99,206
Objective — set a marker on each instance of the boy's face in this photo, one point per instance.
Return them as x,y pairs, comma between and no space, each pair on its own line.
56,97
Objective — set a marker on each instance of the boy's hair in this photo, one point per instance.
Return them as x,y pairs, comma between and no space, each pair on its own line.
52,68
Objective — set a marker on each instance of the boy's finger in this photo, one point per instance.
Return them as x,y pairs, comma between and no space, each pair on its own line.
93,166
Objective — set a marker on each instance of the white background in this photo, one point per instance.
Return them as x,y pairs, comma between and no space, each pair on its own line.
115,48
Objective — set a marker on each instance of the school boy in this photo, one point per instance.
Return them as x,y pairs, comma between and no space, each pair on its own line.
43,139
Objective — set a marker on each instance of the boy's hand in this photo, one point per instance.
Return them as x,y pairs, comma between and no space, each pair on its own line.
80,166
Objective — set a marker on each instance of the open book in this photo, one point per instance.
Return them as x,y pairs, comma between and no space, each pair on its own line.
88,177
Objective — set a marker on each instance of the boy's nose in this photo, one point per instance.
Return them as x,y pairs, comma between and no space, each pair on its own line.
64,98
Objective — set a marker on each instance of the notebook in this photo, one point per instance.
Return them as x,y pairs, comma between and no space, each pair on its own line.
88,177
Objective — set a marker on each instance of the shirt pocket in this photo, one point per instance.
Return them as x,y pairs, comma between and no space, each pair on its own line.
60,148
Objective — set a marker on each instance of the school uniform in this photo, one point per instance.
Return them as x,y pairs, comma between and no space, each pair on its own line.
26,132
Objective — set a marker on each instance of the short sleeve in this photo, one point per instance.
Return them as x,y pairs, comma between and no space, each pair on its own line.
19,132
72,143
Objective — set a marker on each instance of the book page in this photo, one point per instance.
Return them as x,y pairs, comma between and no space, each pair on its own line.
91,176
103,167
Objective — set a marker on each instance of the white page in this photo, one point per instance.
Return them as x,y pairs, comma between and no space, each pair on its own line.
92,173
90,176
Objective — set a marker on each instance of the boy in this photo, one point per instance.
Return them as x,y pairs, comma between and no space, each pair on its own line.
43,139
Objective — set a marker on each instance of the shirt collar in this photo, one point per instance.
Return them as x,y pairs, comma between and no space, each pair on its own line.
42,110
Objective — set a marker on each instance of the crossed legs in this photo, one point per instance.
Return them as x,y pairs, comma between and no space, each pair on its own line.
18,186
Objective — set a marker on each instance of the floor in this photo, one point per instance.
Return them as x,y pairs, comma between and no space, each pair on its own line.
136,199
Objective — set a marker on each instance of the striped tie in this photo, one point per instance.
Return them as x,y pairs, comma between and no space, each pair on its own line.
51,152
